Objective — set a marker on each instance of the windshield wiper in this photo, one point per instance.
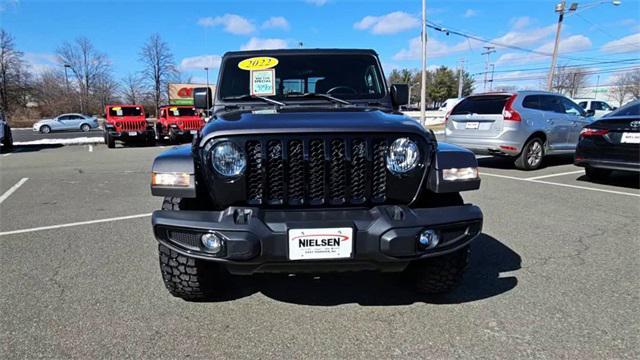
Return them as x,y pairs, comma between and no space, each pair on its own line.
323,96
246,97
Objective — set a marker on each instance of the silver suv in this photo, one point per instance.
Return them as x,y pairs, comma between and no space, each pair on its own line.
526,125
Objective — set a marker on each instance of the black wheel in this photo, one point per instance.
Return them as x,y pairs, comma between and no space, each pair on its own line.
597,174
440,274
151,139
186,277
45,129
109,140
531,156
85,127
173,137
7,143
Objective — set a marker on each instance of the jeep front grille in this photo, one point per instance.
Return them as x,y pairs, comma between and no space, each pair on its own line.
192,124
133,125
313,171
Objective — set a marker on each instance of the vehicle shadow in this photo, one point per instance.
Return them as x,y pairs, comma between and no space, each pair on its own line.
617,178
489,258
498,162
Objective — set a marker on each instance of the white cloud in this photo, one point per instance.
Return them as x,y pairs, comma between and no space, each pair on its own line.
520,22
232,23
435,48
524,38
200,62
391,23
258,44
571,44
626,44
276,22
41,62
316,2
470,13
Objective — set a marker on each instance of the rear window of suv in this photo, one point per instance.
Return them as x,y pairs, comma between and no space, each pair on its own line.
488,104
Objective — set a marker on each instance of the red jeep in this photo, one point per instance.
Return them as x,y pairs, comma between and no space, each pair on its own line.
127,123
177,123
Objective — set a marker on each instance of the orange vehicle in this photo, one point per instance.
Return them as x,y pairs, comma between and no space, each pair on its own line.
177,123
127,123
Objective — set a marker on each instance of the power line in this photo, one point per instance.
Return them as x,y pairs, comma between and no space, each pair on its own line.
612,62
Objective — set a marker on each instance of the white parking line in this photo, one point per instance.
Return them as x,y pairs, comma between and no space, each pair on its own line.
563,185
7,154
552,175
12,190
119,218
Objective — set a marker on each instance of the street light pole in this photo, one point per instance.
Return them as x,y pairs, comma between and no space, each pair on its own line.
207,70
423,85
460,81
490,50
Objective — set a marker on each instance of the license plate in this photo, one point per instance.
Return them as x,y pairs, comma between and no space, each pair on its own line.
193,132
630,138
472,125
325,243
132,133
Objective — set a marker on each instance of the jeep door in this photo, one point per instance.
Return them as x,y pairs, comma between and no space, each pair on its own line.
557,125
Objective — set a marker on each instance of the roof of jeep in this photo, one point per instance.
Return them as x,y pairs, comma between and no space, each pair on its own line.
299,52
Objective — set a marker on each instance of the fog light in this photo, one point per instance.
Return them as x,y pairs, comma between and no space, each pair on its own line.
455,174
428,239
212,242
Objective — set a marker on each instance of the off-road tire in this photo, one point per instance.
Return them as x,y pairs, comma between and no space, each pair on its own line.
43,131
440,274
186,277
596,174
109,140
533,148
7,143
173,138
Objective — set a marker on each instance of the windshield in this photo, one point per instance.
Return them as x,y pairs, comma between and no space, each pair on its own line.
347,76
125,111
175,111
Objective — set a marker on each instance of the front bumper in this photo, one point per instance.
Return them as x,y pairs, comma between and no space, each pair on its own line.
608,164
256,240
143,135
507,143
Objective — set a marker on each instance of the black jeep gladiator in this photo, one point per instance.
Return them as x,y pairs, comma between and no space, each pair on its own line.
305,167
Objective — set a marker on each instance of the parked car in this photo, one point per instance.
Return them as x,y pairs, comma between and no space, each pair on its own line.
448,104
66,122
525,125
598,107
611,143
127,123
6,137
330,179
178,123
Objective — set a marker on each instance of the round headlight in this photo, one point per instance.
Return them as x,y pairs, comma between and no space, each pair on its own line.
403,156
228,160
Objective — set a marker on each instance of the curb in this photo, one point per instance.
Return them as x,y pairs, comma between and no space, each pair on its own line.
73,141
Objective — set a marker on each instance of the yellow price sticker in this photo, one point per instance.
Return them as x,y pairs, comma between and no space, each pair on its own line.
173,108
258,63
116,108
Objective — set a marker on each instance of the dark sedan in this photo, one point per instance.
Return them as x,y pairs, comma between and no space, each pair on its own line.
611,143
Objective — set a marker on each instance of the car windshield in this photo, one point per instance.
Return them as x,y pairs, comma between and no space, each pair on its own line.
176,111
125,111
345,76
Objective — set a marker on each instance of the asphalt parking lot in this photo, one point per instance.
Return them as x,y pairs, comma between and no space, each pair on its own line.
554,275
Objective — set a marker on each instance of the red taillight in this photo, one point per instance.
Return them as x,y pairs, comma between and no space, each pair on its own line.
593,132
446,117
508,113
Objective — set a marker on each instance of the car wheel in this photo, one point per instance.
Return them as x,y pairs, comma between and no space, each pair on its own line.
85,127
7,143
597,174
439,275
45,129
531,156
173,138
186,277
109,140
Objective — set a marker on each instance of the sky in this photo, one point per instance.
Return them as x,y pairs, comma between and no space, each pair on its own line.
601,37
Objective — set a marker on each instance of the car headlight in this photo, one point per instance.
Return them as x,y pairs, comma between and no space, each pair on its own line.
403,156
227,159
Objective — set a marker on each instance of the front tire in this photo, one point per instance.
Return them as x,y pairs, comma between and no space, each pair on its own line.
531,156
109,140
85,127
185,277
45,129
7,143
440,274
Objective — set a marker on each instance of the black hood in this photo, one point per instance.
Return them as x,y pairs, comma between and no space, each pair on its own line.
310,120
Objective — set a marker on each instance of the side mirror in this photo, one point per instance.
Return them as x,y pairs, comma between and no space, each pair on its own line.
202,98
591,112
614,108
399,94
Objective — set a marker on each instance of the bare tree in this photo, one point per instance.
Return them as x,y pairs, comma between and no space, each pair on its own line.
633,83
106,90
50,93
619,88
132,90
13,74
159,67
87,64
568,80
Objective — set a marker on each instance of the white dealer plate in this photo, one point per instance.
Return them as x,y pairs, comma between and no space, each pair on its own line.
132,133
193,132
630,138
472,125
326,243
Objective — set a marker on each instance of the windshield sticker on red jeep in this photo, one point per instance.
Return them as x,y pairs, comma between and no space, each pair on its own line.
258,63
263,82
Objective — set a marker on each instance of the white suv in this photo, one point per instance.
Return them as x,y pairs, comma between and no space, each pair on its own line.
599,107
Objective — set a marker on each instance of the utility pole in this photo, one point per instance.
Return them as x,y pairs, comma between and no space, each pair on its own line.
595,96
493,69
490,50
207,70
460,81
423,85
